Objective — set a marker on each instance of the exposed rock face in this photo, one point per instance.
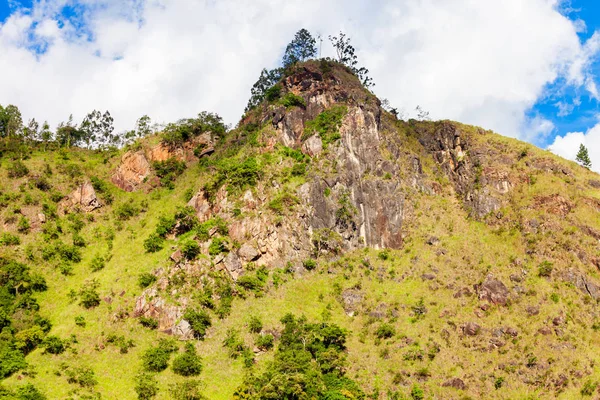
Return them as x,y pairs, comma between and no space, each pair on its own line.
150,305
85,198
493,290
132,171
351,300
200,203
313,146
471,329
233,265
456,383
583,283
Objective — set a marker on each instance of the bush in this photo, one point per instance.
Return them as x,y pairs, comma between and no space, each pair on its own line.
385,331
545,269
265,342
88,294
168,170
126,211
310,264
190,250
82,376
273,93
42,184
145,279
12,360
417,393
292,100
154,243
255,324
298,169
326,124
146,386
188,363
53,345
199,321
156,359
98,263
234,343
283,202
23,226
148,322
203,230
186,390
589,387
217,246
8,239
17,170
80,321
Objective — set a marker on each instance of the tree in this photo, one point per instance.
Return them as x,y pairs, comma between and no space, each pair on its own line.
265,81
301,48
346,55
97,128
45,134
583,157
11,122
31,131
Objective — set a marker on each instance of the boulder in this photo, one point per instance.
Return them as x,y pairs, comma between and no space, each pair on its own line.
455,383
42,217
248,253
351,299
200,203
471,329
492,290
313,146
132,171
85,197
233,265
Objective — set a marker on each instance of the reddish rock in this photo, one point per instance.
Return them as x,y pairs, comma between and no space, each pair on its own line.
85,197
455,383
492,290
132,171
471,329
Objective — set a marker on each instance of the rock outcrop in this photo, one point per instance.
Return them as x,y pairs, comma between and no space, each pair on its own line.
133,170
84,197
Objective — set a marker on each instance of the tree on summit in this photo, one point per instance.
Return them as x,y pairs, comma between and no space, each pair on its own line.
301,48
583,157
346,55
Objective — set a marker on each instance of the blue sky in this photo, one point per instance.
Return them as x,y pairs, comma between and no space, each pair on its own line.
524,68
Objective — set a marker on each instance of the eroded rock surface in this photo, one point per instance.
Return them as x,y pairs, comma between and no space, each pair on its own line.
84,196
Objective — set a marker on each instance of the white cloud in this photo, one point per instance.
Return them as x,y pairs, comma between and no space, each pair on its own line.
481,62
567,146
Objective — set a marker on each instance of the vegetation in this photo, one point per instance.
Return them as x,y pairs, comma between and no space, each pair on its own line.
326,124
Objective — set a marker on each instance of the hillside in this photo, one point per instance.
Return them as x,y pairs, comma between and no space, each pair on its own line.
431,259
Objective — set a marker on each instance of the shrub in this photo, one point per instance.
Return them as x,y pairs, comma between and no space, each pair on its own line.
385,331
292,100
217,246
190,249
326,124
80,321
17,170
185,219
309,264
126,211
53,345
165,225
156,359
186,390
198,320
168,170
42,184
417,393
148,322
12,360
589,387
498,382
250,282
154,243
98,263
88,294
234,343
28,392
265,342
23,226
298,169
146,279
545,269
273,93
283,202
8,239
82,376
203,230
146,386
255,324
188,363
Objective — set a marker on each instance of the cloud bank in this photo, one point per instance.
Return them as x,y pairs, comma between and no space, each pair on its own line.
480,62
567,146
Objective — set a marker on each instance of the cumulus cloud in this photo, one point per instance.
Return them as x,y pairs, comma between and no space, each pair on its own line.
567,146
480,62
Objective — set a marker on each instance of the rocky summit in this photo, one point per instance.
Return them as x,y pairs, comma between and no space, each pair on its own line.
323,248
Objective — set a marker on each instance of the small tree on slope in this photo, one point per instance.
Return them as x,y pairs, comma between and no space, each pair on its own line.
583,157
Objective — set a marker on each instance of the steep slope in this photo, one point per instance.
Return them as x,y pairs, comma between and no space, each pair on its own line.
461,263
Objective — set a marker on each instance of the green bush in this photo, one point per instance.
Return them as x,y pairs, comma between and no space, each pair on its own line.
185,219
273,93
298,169
126,211
12,359
188,363
417,393
265,342
385,331
17,170
148,322
146,386
310,264
255,324
82,376
88,294
198,320
234,343
217,246
8,239
186,390
168,170
589,388
98,263
283,202
156,359
326,124
53,345
154,243
292,100
545,269
23,226
146,279
203,230
190,249
80,321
